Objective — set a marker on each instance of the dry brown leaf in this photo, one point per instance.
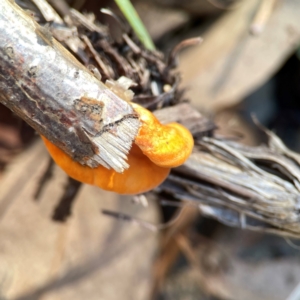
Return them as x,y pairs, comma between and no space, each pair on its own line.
231,63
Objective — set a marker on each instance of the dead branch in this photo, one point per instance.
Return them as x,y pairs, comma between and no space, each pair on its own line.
256,188
48,88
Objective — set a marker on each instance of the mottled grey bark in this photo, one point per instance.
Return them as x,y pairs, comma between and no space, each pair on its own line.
47,87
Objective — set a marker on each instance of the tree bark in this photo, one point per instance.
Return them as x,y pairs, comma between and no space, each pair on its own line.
48,88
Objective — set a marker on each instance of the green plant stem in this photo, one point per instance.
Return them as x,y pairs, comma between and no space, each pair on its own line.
134,20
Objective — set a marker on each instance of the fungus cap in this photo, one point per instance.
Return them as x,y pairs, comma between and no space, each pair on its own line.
156,149
167,145
142,175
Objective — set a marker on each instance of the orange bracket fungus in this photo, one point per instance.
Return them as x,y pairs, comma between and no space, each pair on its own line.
156,149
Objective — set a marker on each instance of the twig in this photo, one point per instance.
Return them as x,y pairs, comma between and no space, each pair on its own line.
49,13
47,87
102,66
142,223
64,208
186,43
46,176
61,6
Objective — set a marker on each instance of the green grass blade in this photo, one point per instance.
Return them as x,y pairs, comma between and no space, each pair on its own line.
135,22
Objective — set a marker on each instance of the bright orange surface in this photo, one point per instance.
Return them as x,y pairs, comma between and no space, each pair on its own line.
157,148
166,145
142,175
